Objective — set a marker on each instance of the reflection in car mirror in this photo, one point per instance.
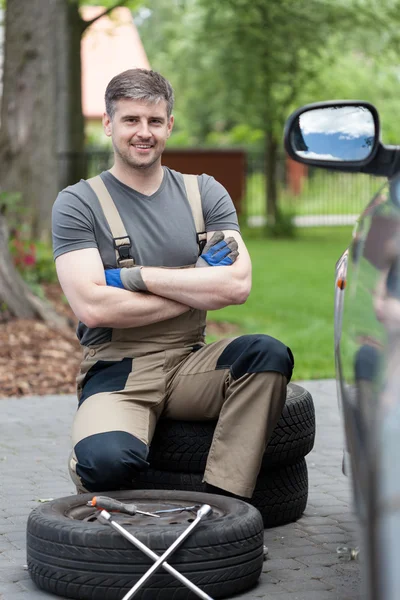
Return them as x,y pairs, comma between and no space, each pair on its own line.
346,132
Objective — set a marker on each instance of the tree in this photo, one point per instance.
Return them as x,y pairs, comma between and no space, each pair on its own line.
254,61
71,134
40,117
44,101
27,151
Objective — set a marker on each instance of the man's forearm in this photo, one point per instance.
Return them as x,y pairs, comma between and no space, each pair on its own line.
207,288
116,308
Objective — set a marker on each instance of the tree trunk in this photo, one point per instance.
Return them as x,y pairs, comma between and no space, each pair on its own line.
28,111
13,292
271,157
71,130
17,296
28,139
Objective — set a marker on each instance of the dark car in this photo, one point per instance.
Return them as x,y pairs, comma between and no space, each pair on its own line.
345,136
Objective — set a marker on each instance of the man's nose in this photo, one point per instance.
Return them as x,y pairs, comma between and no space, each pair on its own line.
143,130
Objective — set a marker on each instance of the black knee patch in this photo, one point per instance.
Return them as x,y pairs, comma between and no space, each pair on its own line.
106,376
367,363
256,354
110,461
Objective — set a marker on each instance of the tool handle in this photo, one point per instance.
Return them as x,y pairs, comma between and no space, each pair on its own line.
106,503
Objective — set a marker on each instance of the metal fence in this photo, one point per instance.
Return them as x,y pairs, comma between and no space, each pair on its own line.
318,196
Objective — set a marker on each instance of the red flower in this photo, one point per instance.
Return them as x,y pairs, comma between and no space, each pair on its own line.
29,259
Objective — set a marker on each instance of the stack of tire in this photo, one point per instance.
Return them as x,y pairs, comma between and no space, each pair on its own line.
179,452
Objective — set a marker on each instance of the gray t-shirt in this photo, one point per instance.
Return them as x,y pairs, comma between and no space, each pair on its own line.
160,226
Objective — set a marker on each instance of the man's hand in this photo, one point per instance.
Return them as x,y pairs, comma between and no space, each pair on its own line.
218,252
127,279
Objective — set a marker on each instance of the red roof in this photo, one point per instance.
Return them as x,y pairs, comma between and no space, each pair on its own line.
109,46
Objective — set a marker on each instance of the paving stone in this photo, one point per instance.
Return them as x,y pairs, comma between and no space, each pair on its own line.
276,564
330,538
267,589
310,521
328,511
324,529
288,551
326,559
308,585
345,517
308,595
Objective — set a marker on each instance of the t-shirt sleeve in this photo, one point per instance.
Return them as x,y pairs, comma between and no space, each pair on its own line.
72,224
218,209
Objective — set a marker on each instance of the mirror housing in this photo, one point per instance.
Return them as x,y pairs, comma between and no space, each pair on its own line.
341,135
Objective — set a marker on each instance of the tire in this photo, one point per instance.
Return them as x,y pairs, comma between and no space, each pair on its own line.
183,446
89,560
280,494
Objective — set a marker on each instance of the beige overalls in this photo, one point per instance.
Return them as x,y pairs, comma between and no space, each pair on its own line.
166,369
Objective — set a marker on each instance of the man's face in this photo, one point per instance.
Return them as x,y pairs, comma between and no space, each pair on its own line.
139,131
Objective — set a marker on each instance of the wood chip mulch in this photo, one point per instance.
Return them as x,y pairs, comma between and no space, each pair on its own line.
36,359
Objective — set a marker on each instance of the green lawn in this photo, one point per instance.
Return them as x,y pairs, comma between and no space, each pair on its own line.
292,295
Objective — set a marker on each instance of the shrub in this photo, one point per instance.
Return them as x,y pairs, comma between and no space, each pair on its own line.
33,260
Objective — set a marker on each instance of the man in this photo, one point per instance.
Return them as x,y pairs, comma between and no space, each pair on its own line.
118,243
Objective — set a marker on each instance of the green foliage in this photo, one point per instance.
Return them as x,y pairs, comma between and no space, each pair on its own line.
45,267
241,134
238,62
94,136
18,216
250,63
33,260
283,227
132,4
241,67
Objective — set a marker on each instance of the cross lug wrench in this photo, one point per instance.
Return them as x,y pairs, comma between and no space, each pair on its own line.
160,561
204,510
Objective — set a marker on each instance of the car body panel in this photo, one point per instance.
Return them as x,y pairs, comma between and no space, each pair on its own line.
367,354
337,135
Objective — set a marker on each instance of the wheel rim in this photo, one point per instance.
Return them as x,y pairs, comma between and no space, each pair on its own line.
89,514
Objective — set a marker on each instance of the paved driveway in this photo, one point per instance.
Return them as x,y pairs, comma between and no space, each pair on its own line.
302,563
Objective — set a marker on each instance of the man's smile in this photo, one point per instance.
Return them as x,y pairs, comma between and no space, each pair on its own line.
142,147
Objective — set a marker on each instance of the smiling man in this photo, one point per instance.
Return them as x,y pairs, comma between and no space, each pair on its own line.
124,244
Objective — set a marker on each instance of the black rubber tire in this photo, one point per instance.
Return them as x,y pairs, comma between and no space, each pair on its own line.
91,561
280,494
183,446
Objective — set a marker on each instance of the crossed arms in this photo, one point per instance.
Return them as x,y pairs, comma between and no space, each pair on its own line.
172,291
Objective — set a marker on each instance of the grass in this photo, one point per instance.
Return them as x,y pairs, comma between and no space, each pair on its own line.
292,295
322,193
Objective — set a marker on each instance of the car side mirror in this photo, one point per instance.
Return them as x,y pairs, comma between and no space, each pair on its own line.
333,134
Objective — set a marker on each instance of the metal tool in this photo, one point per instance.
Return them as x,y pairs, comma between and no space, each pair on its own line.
131,538
110,504
181,509
204,510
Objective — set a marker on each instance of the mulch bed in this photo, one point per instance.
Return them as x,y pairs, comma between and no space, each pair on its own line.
36,359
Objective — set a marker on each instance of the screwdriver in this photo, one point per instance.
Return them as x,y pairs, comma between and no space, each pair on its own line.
110,504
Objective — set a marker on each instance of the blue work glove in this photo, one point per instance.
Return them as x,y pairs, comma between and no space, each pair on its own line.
127,279
113,278
218,252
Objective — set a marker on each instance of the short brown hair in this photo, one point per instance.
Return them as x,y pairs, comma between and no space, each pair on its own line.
138,84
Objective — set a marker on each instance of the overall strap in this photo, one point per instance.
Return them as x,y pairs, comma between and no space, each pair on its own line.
193,195
122,241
